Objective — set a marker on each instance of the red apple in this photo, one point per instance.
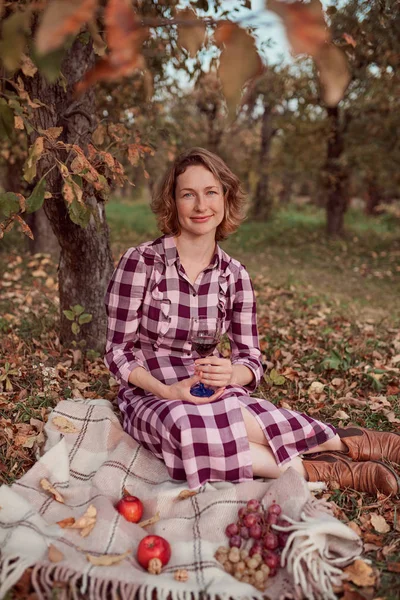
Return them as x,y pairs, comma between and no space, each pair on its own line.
153,546
131,508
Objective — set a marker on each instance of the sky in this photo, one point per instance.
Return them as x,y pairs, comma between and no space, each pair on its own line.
268,27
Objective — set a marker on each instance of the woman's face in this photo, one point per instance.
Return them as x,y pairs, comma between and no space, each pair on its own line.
199,202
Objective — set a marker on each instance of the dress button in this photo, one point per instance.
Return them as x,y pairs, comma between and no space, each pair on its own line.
194,294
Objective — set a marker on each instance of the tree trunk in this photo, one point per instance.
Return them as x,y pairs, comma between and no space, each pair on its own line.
44,239
85,264
335,176
285,193
373,197
262,202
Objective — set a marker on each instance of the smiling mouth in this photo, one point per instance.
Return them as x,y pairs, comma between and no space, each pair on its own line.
201,218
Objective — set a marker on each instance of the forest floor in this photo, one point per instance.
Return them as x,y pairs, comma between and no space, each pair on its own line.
329,316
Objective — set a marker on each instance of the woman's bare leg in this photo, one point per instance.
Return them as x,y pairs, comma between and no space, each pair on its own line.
264,463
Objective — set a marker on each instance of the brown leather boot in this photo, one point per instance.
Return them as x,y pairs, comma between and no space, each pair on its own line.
371,476
365,444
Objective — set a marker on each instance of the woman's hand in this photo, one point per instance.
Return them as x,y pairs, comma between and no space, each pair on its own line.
214,371
181,391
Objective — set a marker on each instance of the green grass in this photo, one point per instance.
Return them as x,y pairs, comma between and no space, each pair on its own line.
359,272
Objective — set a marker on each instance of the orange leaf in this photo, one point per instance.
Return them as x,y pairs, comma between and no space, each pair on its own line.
65,523
393,567
18,122
334,75
24,226
190,37
305,25
349,39
239,61
125,36
54,554
61,19
360,573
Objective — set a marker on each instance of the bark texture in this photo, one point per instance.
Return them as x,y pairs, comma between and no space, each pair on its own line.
336,176
85,263
262,202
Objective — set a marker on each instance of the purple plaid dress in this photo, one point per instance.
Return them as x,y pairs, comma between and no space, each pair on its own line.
150,302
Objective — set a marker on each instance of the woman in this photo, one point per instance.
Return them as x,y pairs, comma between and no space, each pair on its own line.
154,292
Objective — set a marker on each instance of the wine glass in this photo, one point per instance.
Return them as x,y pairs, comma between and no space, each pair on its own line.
205,335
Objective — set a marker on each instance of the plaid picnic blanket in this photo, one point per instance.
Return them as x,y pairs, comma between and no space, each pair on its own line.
92,464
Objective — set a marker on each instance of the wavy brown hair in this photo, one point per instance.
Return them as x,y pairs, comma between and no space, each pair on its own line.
163,203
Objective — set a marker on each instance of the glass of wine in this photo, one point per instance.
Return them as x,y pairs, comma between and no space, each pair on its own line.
205,335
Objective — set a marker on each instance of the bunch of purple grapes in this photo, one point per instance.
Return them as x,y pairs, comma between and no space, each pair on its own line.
253,528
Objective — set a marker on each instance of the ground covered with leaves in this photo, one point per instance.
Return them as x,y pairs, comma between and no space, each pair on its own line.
320,358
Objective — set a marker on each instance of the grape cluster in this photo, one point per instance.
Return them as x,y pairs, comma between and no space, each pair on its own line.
254,547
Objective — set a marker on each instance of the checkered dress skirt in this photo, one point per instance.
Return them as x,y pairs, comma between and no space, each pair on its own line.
149,303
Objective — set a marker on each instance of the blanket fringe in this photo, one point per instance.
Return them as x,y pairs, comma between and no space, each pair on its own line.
11,570
81,586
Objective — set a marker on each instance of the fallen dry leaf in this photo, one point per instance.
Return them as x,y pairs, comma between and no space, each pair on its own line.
150,521
340,414
84,523
64,425
360,573
46,485
64,523
356,528
316,387
54,554
105,560
393,567
186,494
379,523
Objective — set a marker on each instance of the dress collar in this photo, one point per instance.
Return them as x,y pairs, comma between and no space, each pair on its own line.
171,254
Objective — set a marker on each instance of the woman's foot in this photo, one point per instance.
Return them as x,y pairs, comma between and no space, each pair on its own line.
370,476
366,444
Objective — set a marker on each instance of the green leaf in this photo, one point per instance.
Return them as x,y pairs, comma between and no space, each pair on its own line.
36,199
79,213
78,309
13,40
34,155
49,64
6,120
276,378
69,314
333,361
75,328
85,318
9,203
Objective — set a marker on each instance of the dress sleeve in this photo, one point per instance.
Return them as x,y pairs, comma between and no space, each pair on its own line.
123,300
243,333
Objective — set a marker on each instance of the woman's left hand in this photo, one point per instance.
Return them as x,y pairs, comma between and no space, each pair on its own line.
214,371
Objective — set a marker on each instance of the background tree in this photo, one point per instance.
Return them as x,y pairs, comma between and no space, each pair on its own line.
48,53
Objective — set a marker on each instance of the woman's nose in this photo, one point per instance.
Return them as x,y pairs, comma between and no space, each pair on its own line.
201,203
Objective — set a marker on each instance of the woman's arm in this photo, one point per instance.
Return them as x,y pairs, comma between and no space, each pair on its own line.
123,302
141,378
243,334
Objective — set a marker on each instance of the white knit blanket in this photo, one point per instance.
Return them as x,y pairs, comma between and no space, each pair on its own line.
92,466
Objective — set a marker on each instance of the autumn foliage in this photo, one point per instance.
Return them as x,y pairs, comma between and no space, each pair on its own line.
120,36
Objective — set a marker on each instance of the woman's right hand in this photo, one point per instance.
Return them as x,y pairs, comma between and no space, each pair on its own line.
181,391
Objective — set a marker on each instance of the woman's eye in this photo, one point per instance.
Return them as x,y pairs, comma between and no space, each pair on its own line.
187,194
211,192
